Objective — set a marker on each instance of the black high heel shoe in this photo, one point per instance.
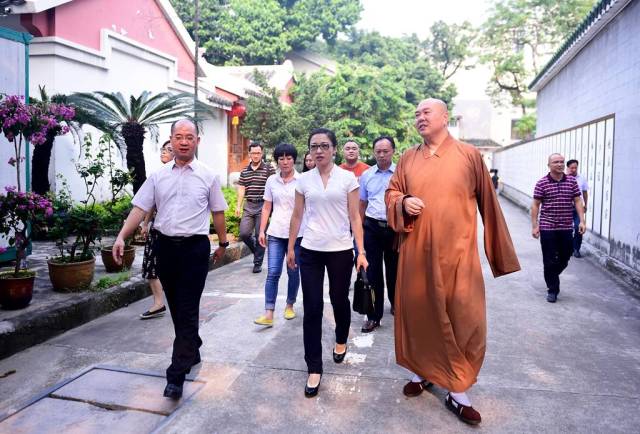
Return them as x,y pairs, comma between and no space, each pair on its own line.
338,358
310,392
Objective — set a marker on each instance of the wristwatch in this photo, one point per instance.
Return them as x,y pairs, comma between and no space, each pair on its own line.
225,244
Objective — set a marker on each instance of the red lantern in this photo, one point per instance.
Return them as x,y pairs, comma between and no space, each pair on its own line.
238,110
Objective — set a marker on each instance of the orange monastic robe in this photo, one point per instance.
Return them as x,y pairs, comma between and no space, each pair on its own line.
440,318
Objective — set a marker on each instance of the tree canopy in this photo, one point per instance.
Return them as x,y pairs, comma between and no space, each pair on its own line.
518,37
360,103
237,32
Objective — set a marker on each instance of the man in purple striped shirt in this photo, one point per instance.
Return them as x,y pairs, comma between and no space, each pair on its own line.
558,194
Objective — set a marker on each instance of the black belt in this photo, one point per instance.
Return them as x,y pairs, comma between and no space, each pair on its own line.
178,240
381,223
255,200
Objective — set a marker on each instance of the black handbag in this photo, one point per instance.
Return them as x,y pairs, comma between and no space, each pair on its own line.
363,295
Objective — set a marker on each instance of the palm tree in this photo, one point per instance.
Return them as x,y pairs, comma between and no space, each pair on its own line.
129,120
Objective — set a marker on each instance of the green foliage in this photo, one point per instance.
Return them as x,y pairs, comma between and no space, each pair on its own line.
360,102
127,121
146,110
109,281
231,221
84,221
267,120
526,126
408,57
449,46
518,37
115,213
262,31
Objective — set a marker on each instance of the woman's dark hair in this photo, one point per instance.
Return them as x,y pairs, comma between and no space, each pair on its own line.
164,145
389,138
283,150
304,162
327,132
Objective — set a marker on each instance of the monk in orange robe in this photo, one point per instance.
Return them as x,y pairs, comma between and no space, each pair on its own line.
432,201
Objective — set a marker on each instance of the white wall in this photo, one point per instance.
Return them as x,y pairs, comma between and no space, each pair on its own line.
125,66
604,79
480,118
12,82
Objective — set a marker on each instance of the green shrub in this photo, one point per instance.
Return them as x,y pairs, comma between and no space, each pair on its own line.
232,222
109,281
115,214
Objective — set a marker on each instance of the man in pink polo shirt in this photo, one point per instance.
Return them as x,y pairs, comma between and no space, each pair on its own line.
554,199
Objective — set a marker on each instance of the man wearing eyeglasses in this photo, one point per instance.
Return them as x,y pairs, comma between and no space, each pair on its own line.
251,189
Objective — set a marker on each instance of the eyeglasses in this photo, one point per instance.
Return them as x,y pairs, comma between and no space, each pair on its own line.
315,147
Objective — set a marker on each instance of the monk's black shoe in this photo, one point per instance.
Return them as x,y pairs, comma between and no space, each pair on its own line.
465,413
412,389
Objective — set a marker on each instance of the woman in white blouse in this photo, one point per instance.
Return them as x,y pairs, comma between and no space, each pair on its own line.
279,200
328,197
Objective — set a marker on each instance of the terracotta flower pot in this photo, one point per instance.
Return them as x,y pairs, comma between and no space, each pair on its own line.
138,239
110,265
73,276
15,292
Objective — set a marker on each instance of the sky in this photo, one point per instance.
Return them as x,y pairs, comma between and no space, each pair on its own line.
397,17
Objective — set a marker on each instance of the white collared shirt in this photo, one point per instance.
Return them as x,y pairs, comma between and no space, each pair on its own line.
183,197
283,197
326,210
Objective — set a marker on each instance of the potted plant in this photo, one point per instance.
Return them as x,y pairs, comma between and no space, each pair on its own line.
116,209
115,213
19,213
74,268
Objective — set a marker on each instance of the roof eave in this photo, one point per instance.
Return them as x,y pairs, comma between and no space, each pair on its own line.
569,50
35,6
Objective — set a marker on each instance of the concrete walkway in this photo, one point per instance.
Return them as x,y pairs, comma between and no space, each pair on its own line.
573,366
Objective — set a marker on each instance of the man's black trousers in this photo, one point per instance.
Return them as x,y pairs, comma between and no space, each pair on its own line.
183,264
378,243
557,247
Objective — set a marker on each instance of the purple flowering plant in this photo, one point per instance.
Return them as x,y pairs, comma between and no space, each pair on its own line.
20,122
19,213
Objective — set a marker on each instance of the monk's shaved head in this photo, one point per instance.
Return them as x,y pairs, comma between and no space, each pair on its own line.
434,102
432,118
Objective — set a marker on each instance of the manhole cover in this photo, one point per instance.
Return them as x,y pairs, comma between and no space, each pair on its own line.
102,399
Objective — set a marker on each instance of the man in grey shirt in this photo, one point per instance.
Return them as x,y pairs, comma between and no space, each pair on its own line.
184,192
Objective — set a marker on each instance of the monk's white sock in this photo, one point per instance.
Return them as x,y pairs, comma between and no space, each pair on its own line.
461,398
417,379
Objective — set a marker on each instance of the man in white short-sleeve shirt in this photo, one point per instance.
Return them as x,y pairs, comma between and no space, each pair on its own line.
572,169
184,192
